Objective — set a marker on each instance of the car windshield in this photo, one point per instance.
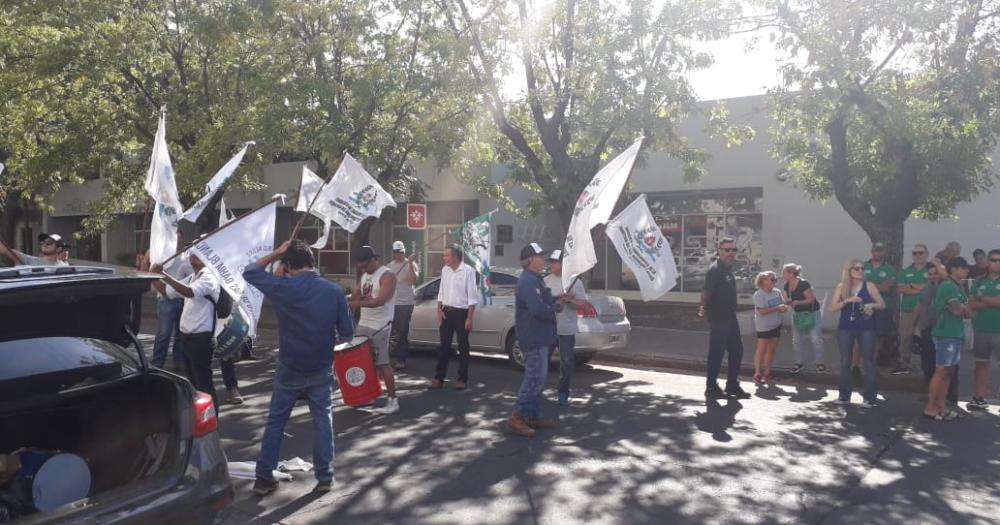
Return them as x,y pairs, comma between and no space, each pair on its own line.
47,365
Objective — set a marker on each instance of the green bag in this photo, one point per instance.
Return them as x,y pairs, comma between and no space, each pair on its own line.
804,321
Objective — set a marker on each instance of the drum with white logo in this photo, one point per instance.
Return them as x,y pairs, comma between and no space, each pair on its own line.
354,363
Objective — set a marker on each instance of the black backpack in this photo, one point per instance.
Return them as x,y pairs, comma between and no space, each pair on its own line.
224,306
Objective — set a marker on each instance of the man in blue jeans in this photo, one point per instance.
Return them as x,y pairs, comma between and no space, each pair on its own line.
168,314
312,314
535,324
718,303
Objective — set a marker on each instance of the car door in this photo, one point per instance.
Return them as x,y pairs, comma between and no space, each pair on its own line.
424,322
491,320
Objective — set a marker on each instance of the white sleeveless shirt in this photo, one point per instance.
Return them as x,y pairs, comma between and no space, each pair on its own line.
378,317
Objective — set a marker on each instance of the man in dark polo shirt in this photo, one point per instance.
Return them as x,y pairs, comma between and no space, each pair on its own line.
718,303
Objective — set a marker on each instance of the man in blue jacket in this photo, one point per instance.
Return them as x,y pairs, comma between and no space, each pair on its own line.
535,324
312,314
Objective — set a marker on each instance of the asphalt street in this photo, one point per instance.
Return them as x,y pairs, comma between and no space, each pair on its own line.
637,446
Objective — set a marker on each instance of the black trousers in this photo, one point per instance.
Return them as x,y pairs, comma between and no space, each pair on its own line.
198,362
453,323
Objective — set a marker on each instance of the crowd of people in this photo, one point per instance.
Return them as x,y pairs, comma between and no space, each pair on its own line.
934,307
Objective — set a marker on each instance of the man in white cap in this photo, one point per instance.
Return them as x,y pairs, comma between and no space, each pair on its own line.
407,274
565,321
52,245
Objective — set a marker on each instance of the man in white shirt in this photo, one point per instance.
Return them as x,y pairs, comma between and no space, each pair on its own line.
458,296
407,274
200,292
376,302
52,245
565,321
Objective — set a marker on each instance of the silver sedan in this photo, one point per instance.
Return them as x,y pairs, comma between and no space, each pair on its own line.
602,327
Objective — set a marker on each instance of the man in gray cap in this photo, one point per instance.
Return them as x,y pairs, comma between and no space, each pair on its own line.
52,245
407,274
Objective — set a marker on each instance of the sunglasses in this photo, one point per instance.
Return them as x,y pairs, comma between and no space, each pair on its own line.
919,253
728,250
858,268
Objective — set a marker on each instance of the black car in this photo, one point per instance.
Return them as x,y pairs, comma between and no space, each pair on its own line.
89,431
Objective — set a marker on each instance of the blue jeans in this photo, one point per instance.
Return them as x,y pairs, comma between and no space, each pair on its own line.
814,335
567,360
536,371
724,337
168,313
401,329
866,341
288,385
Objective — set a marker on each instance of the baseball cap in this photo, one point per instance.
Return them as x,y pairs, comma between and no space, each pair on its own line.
878,247
531,250
54,236
556,255
364,253
398,246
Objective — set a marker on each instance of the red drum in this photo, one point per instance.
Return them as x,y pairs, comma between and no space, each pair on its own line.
354,363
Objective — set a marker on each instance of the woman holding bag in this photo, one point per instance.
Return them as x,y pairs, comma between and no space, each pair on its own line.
806,321
769,308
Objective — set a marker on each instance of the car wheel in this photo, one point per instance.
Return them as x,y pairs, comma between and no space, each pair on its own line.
514,352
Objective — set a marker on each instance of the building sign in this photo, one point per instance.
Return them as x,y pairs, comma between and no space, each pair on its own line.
416,216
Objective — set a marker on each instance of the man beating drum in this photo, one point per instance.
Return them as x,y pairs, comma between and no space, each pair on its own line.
376,299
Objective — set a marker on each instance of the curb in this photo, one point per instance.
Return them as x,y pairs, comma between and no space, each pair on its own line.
910,383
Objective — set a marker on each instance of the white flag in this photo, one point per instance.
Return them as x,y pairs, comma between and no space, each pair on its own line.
228,251
162,188
308,188
2,168
224,216
643,248
593,207
215,183
351,196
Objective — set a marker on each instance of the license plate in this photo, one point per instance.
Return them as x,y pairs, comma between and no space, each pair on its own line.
614,338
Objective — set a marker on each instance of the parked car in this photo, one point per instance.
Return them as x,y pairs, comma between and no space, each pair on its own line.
601,327
75,383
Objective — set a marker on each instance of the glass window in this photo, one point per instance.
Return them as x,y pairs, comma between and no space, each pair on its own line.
335,258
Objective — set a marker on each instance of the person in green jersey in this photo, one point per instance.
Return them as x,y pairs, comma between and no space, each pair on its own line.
912,281
952,307
883,276
985,303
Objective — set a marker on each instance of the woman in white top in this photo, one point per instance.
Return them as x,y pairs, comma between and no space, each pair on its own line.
769,309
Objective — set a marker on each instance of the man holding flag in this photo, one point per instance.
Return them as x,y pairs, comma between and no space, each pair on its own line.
566,327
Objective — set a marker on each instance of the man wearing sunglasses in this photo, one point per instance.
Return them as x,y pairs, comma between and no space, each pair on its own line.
52,245
912,281
883,276
718,303
985,302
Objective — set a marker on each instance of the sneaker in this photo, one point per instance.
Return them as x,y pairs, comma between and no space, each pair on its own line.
840,401
821,368
435,384
797,368
737,393
714,392
900,370
234,396
869,404
263,487
391,407
978,403
323,486
564,398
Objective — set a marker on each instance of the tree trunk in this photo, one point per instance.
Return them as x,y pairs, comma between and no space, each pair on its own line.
891,235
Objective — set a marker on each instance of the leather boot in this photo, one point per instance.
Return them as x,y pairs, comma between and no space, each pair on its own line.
519,426
539,423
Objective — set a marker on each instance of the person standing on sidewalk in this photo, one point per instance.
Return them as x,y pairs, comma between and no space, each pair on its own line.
312,315
980,264
378,289
168,314
986,328
926,317
535,326
458,297
769,308
718,303
200,292
565,321
883,276
407,274
952,307
912,281
802,298
857,299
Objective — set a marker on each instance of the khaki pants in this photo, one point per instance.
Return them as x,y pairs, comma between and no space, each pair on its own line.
907,329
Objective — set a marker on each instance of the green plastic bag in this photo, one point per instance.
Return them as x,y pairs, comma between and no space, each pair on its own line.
804,321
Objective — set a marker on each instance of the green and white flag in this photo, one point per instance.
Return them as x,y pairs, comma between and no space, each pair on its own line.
474,238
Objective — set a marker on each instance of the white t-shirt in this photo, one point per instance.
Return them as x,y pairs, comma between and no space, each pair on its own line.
404,287
31,260
375,318
199,313
566,319
179,268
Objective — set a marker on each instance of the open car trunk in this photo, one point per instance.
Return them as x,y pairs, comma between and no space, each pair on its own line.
126,431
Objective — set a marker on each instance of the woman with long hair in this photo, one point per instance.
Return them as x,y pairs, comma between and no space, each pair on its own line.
769,306
807,320
857,299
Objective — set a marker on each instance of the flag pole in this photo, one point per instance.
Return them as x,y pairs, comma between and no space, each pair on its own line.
298,225
220,228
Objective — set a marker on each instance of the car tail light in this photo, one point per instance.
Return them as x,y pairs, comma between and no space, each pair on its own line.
206,420
587,310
